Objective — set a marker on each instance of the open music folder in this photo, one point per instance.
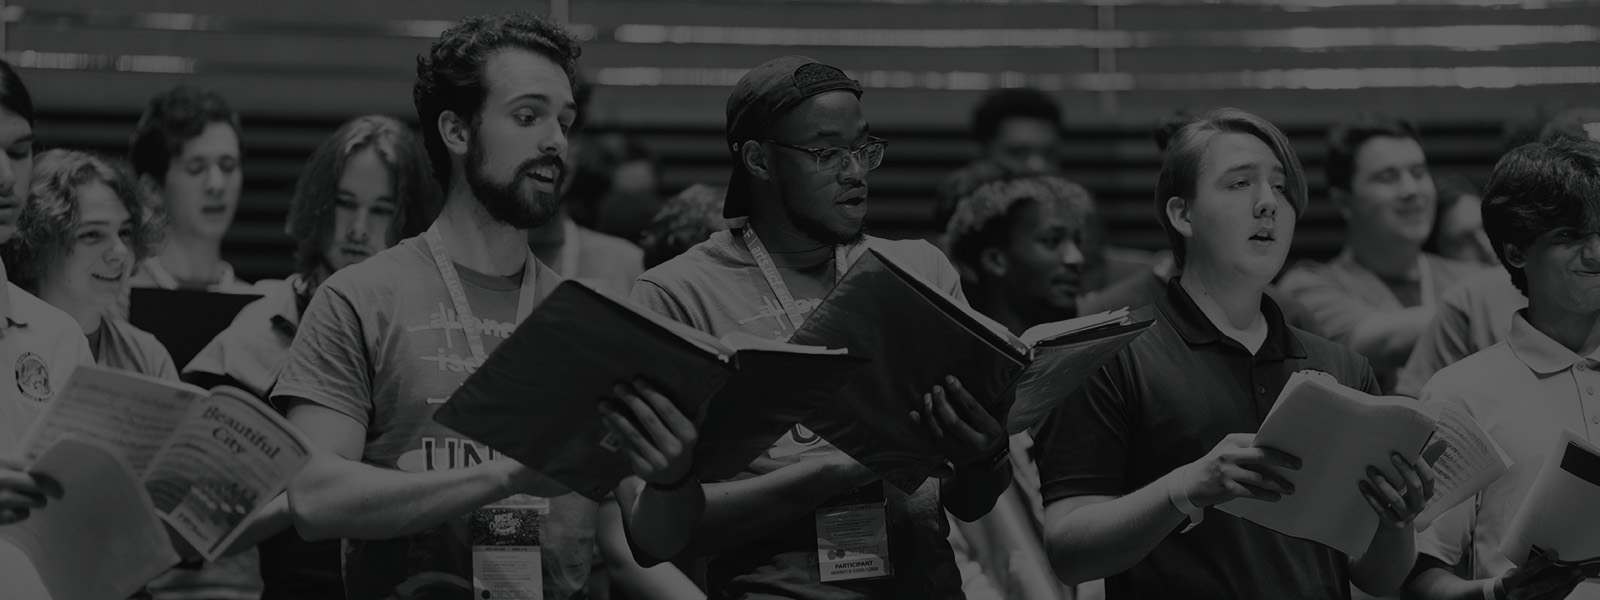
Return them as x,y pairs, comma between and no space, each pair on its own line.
535,399
916,335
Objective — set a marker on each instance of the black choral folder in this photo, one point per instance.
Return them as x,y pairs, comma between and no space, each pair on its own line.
916,335
535,399
184,321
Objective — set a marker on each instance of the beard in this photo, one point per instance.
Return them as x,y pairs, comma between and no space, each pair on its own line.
506,201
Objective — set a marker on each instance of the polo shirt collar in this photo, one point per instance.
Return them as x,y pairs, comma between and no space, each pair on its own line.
286,304
1192,324
1543,355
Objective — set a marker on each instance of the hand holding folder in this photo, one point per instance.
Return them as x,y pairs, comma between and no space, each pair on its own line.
916,337
536,398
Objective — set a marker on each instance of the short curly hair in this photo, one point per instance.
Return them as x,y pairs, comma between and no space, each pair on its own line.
172,118
49,221
986,216
685,220
450,74
417,197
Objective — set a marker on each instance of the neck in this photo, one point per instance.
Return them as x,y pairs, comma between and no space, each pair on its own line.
547,240
191,258
1578,332
1230,304
87,314
477,241
1388,258
778,234
993,305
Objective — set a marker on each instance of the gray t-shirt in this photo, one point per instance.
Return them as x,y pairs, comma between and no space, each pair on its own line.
717,288
380,343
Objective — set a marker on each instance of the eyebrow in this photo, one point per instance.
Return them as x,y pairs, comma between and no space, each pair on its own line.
569,105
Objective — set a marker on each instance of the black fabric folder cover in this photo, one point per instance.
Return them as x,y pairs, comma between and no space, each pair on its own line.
535,399
915,336
184,320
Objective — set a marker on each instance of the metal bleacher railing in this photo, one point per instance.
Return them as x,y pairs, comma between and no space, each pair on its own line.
296,68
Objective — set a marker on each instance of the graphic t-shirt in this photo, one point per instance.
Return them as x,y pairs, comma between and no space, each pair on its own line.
717,288
381,343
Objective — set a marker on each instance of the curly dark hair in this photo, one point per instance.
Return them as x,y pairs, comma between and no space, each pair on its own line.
170,119
685,220
417,197
48,224
450,74
1538,188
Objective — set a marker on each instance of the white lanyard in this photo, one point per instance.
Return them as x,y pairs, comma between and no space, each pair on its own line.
779,288
569,250
470,325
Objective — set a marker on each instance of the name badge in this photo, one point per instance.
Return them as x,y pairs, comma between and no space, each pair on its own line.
505,549
853,536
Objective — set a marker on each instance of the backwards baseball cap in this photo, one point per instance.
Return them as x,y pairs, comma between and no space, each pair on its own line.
763,95
1580,123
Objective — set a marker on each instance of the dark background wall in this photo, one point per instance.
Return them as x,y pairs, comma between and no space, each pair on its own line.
295,69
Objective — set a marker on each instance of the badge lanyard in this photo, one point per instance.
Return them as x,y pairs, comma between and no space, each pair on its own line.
780,289
452,283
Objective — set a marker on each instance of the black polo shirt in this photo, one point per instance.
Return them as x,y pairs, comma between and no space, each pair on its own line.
1166,401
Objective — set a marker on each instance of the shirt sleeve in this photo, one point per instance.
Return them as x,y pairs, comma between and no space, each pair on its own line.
1446,339
1082,447
328,363
1333,308
651,295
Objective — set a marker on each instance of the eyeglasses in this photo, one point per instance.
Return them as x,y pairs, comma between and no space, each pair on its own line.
868,155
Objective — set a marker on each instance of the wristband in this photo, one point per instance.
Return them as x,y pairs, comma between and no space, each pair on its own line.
1489,590
1180,499
674,486
999,457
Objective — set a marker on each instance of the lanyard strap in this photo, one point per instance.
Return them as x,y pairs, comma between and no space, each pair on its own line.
791,309
569,249
470,325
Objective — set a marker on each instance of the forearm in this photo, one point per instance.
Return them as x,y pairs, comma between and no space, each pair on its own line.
1106,538
971,493
741,512
333,497
658,582
661,522
1438,583
1383,568
1386,339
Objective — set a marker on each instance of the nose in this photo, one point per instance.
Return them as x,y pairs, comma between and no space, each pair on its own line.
215,180
1591,250
854,171
556,143
1266,205
1036,162
359,231
119,253
1071,254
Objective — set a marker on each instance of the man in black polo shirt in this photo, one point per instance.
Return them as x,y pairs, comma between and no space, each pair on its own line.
1164,430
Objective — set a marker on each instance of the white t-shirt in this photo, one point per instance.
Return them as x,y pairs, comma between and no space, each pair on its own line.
39,348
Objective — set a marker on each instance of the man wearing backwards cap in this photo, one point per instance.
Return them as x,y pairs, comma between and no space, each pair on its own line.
801,152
